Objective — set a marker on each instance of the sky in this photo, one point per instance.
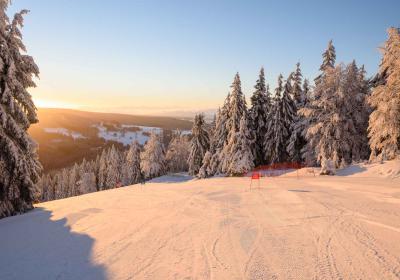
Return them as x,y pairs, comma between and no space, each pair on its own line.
178,57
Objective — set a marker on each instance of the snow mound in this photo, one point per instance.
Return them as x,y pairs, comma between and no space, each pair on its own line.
172,178
388,169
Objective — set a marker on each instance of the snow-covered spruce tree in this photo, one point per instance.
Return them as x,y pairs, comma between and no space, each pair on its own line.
199,144
153,157
219,138
237,108
19,163
324,118
131,167
362,119
86,183
206,170
333,116
102,171
355,108
178,153
241,159
329,58
307,152
46,188
384,122
113,173
279,125
297,91
72,181
297,139
259,112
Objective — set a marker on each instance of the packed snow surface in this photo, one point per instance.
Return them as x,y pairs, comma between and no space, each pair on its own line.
176,227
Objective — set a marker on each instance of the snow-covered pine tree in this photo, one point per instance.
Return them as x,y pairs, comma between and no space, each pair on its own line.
324,119
270,137
297,92
297,139
333,116
178,153
19,164
237,108
241,159
279,125
46,188
329,58
356,112
73,180
132,173
87,183
362,118
205,170
259,112
153,157
219,138
199,144
102,171
384,122
307,152
113,173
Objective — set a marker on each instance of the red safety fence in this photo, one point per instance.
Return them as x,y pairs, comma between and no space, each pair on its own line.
279,166
275,169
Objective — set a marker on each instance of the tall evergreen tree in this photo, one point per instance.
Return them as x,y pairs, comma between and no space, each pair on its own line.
132,172
199,145
384,122
178,153
237,105
113,174
297,140
297,92
335,115
19,165
241,159
237,108
206,170
279,124
329,58
153,157
259,113
219,138
307,152
102,171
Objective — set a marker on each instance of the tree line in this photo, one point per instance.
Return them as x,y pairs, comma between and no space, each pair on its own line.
116,168
343,118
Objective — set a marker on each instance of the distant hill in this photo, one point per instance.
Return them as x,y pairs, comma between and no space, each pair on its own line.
66,136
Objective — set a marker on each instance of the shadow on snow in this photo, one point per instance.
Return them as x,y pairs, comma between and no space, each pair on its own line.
32,246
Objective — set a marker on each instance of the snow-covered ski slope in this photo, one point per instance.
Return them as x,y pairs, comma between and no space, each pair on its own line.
332,227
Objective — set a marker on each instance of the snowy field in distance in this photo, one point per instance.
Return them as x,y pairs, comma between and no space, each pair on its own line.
126,137
64,131
121,134
176,227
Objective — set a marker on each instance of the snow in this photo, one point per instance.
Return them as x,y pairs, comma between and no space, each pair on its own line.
126,137
64,131
176,227
172,178
388,169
